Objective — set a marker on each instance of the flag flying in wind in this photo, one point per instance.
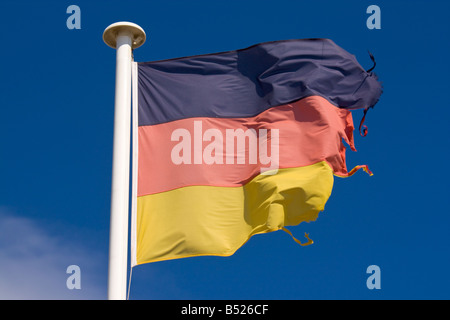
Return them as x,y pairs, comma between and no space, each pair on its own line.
232,144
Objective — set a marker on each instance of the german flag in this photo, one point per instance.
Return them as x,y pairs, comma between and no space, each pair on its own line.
233,144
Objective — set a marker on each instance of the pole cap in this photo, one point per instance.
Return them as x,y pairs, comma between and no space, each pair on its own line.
112,31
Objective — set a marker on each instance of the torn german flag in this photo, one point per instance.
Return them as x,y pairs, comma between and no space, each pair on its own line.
232,144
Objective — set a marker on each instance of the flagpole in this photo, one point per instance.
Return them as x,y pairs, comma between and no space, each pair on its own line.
122,36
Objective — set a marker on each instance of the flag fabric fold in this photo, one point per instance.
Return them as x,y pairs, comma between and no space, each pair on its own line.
232,144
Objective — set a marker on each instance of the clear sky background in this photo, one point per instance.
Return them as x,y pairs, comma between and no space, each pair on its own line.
56,126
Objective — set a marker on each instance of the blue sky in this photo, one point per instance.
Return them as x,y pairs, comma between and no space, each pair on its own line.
56,125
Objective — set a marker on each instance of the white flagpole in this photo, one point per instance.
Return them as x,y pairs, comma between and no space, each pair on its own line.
122,36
